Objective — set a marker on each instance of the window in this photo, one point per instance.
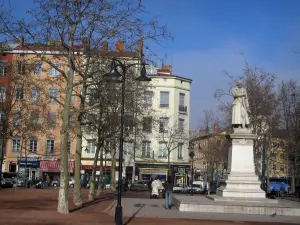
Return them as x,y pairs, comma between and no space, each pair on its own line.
148,95
16,144
162,150
274,167
3,69
52,119
181,99
281,144
180,145
93,96
52,94
146,149
33,144
128,148
21,67
17,119
147,124
164,99
282,168
35,94
281,155
37,69
1,116
71,119
69,145
50,145
2,94
128,123
19,92
91,147
34,118
181,125
53,71
72,97
163,124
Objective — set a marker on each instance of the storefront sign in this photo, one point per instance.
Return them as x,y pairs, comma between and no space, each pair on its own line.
181,169
90,167
54,166
30,162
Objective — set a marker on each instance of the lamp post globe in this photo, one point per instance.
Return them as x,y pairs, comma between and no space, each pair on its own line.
113,75
143,77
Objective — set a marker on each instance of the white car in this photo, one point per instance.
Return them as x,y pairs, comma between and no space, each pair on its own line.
178,188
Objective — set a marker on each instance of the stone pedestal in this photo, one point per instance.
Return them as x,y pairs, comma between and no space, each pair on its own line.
241,180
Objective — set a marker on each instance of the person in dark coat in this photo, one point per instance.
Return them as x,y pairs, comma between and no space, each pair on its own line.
150,187
168,185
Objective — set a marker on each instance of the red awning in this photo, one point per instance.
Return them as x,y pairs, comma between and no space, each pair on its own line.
54,166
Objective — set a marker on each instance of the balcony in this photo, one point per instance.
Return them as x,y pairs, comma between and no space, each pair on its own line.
182,108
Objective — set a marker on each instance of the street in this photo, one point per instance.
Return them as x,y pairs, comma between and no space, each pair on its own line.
38,206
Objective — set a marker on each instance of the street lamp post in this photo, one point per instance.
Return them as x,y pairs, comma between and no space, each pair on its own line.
115,77
191,155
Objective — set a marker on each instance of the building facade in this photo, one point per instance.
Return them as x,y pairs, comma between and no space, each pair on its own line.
34,121
211,152
164,146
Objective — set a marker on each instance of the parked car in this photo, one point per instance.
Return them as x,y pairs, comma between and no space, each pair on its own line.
5,183
199,187
56,183
139,185
178,188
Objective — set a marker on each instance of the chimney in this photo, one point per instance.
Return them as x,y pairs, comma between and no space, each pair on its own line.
165,70
139,49
120,46
217,128
105,46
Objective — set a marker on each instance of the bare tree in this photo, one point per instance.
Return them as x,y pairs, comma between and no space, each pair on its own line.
170,139
263,107
73,22
289,102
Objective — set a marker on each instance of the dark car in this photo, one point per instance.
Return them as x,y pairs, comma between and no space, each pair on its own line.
139,185
5,183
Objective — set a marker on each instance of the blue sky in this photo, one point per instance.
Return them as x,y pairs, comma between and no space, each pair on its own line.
211,35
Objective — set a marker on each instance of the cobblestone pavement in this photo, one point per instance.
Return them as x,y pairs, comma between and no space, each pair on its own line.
38,206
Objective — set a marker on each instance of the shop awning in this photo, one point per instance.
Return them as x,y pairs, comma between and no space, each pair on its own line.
54,166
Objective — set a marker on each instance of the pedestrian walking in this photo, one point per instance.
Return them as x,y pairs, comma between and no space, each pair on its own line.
282,189
168,185
150,187
155,188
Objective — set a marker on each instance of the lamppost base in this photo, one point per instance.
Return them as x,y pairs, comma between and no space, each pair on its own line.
118,215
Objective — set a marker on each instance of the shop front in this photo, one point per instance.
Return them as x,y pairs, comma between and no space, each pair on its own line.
179,172
86,173
29,167
52,168
147,171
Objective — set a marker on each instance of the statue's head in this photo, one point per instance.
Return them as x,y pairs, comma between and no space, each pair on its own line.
239,83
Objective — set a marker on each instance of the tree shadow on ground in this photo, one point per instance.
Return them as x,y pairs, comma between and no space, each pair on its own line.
90,203
139,209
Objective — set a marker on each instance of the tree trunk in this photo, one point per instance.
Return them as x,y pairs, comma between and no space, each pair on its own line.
63,204
92,179
169,166
100,183
77,186
113,172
